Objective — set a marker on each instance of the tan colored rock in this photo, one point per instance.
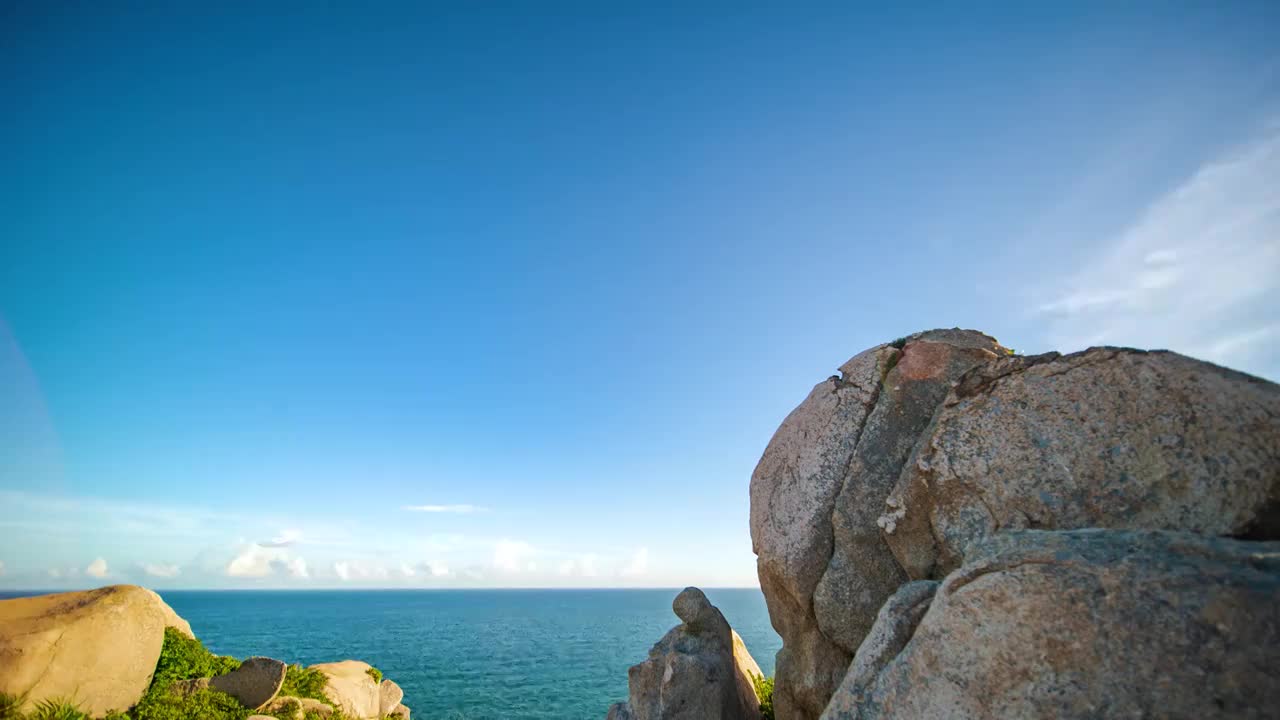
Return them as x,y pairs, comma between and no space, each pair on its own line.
1087,624
351,688
389,696
816,496
1109,437
698,671
746,669
96,648
171,618
401,712
309,705
297,708
253,684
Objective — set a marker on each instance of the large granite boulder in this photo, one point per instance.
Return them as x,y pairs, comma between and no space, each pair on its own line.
95,648
352,688
1082,624
818,491
700,670
921,447
1108,437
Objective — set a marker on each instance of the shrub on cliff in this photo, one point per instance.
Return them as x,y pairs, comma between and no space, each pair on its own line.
303,682
183,658
764,691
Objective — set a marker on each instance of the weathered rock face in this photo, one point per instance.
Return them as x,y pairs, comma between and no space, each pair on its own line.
894,625
389,696
352,688
253,684
818,491
1084,624
920,448
699,671
1104,438
97,648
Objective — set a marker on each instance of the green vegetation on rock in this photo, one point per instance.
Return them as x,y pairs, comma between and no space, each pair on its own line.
207,704
375,673
303,682
764,692
184,658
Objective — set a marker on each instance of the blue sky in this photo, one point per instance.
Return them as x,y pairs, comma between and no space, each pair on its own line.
429,296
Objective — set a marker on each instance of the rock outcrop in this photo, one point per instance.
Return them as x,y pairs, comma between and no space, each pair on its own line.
818,491
389,697
96,648
351,687
700,670
1082,624
923,447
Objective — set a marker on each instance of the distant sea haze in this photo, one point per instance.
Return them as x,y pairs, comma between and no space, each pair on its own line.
469,654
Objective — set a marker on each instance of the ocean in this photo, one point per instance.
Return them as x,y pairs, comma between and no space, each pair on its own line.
470,654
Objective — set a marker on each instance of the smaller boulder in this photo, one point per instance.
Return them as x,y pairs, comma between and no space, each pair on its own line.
389,695
352,688
699,671
400,712
254,684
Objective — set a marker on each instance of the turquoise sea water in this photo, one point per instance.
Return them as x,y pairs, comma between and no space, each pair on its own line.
470,654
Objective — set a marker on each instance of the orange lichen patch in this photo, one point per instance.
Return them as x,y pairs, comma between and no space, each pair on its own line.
922,360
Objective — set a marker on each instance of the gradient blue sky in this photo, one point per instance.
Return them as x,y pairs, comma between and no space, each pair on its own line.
552,274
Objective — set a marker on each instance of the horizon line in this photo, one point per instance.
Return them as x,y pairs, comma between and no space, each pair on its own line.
374,589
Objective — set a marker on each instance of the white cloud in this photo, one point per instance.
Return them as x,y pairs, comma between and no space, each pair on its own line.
581,566
97,568
164,571
256,561
284,539
510,555
426,569
456,509
639,564
1,567
297,568
55,573
1198,272
349,570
